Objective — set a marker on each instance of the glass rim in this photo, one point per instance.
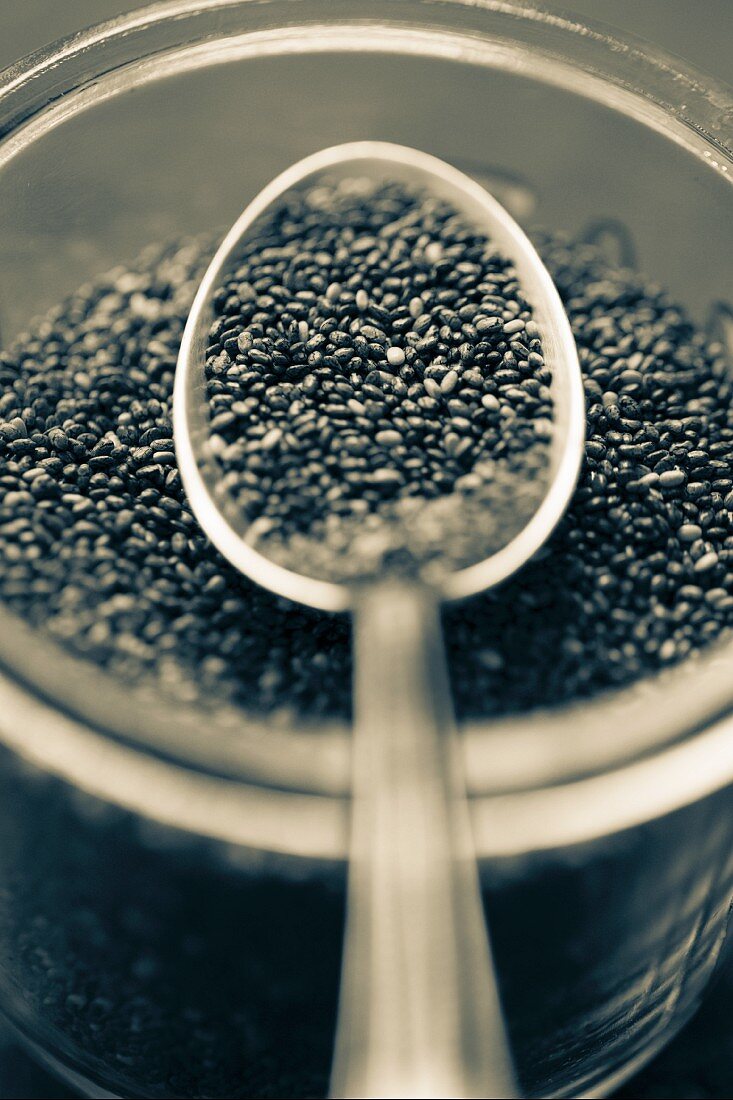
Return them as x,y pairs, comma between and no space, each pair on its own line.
526,756
675,80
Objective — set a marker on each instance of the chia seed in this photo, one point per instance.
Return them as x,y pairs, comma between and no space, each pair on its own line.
392,473
106,558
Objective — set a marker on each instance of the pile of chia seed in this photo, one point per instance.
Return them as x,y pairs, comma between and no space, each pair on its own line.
377,392
100,551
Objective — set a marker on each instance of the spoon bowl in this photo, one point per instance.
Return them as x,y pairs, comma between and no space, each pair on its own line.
419,1012
377,161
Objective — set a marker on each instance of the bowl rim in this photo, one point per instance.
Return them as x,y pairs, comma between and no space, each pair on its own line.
677,76
510,763
264,826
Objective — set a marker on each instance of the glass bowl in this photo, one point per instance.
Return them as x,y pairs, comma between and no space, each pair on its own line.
171,903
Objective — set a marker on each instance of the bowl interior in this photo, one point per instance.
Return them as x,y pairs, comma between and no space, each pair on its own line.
178,143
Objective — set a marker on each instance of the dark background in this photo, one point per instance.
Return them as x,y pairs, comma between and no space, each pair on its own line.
699,1063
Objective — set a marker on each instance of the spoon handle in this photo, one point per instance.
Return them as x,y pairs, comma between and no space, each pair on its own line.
419,1014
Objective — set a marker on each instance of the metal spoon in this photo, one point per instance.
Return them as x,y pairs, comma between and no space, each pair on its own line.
419,1013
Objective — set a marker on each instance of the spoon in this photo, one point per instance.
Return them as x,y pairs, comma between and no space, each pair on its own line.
419,1012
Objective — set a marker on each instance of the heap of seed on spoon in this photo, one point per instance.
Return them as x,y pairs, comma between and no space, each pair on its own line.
375,379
